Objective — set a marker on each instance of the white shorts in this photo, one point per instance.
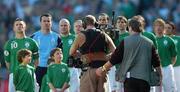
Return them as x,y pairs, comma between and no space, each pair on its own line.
74,80
120,87
11,84
112,81
177,77
168,81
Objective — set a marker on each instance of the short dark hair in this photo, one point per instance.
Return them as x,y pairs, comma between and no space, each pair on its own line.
88,20
46,15
104,14
135,25
121,18
53,51
171,24
19,19
140,19
22,54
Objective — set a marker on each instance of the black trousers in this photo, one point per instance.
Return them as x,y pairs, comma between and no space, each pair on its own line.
40,72
136,85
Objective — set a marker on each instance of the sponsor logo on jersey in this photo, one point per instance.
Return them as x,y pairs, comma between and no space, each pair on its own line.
165,42
6,53
14,45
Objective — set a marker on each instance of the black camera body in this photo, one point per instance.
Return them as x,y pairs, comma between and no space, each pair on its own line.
77,63
109,30
74,62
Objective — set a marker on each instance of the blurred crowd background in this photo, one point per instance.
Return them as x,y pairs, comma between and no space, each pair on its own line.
30,11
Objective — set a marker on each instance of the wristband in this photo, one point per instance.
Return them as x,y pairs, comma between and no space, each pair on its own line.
104,68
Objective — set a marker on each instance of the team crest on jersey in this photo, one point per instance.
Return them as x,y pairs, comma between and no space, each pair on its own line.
63,70
70,41
175,41
27,44
14,44
6,53
165,42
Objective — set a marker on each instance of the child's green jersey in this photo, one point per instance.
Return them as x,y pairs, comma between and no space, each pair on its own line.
24,78
58,74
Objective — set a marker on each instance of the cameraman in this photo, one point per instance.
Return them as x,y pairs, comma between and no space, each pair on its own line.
103,21
103,24
93,45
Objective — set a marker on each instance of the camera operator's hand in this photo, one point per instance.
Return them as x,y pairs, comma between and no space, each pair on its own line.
101,71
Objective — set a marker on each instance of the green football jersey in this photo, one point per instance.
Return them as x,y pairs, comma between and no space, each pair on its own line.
13,46
166,49
24,78
58,74
121,37
67,42
177,43
44,84
151,36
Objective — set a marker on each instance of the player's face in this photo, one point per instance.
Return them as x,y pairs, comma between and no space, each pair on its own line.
46,23
168,29
19,27
102,20
78,27
159,29
58,56
64,27
27,59
121,24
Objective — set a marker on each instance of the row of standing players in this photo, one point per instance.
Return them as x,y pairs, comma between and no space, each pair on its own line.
45,40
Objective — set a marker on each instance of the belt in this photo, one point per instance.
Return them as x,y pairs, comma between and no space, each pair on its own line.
97,63
95,56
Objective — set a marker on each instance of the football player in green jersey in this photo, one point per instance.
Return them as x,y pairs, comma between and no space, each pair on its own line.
14,45
67,40
121,25
167,53
78,26
170,31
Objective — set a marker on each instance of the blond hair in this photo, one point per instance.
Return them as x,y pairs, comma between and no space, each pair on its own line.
160,21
